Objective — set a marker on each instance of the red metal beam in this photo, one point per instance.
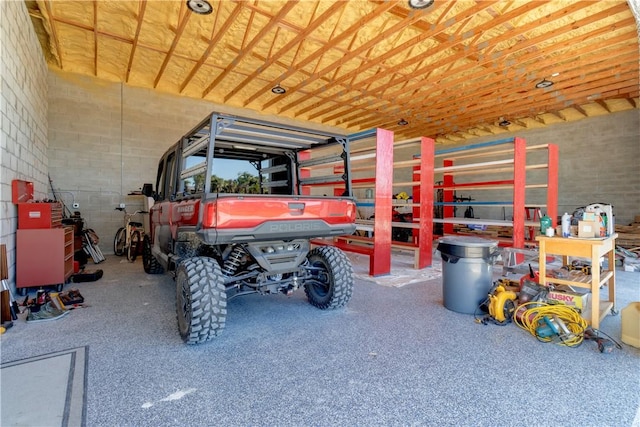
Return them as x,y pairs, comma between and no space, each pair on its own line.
519,182
383,193
425,236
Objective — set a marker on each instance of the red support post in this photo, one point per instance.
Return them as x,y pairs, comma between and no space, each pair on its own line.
425,236
380,261
519,182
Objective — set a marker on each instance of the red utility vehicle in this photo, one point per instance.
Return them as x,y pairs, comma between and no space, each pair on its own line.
222,245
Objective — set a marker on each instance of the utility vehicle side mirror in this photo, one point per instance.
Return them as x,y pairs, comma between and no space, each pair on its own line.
147,190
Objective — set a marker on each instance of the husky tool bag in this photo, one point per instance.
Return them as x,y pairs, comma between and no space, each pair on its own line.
87,276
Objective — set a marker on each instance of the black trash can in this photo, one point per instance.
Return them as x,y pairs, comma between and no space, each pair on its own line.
466,271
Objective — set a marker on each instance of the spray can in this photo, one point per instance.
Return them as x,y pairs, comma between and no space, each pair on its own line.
566,225
545,222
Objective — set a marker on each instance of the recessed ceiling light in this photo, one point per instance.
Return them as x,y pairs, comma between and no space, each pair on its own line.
544,83
403,122
278,90
202,7
420,4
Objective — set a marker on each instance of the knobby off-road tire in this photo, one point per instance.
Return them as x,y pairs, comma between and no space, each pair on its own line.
119,241
331,284
134,246
149,262
201,300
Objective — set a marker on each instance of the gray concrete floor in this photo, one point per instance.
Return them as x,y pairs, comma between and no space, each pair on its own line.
394,356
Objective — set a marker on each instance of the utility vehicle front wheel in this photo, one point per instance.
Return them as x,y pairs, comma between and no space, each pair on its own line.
330,280
201,300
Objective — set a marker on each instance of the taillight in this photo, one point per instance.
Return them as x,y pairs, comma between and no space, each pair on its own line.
209,218
351,211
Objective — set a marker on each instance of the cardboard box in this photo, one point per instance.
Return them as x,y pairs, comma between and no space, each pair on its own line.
588,229
573,299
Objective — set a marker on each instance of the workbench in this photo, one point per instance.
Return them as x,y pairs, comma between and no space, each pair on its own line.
592,249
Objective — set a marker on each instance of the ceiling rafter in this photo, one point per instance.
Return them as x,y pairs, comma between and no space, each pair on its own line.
258,37
302,35
212,44
563,87
349,33
489,60
513,75
504,55
406,21
185,15
399,49
569,64
54,33
328,45
517,107
252,15
95,37
134,44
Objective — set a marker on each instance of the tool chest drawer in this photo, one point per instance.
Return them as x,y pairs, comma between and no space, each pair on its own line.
33,214
39,215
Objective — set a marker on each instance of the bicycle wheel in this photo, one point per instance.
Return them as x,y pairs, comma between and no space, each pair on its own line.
119,241
134,245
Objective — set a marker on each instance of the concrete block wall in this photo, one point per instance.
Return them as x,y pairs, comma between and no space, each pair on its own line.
23,110
105,140
598,164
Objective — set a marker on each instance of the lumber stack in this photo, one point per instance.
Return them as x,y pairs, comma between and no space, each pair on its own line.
629,235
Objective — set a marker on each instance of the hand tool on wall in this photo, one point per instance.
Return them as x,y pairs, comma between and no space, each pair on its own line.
66,213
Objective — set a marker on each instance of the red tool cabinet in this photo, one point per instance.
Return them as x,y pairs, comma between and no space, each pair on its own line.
44,249
43,257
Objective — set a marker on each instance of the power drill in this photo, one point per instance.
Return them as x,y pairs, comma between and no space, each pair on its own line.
604,345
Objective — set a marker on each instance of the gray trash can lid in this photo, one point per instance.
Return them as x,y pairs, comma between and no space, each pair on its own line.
471,241
467,246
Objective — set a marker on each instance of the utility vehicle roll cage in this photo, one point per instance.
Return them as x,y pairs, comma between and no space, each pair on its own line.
279,152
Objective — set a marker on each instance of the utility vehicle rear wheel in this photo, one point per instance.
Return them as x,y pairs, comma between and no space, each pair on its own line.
201,300
331,281
149,262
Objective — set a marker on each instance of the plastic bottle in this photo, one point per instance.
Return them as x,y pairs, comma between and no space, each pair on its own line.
603,225
566,225
545,222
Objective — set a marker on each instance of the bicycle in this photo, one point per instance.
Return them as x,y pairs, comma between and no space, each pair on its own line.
129,237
